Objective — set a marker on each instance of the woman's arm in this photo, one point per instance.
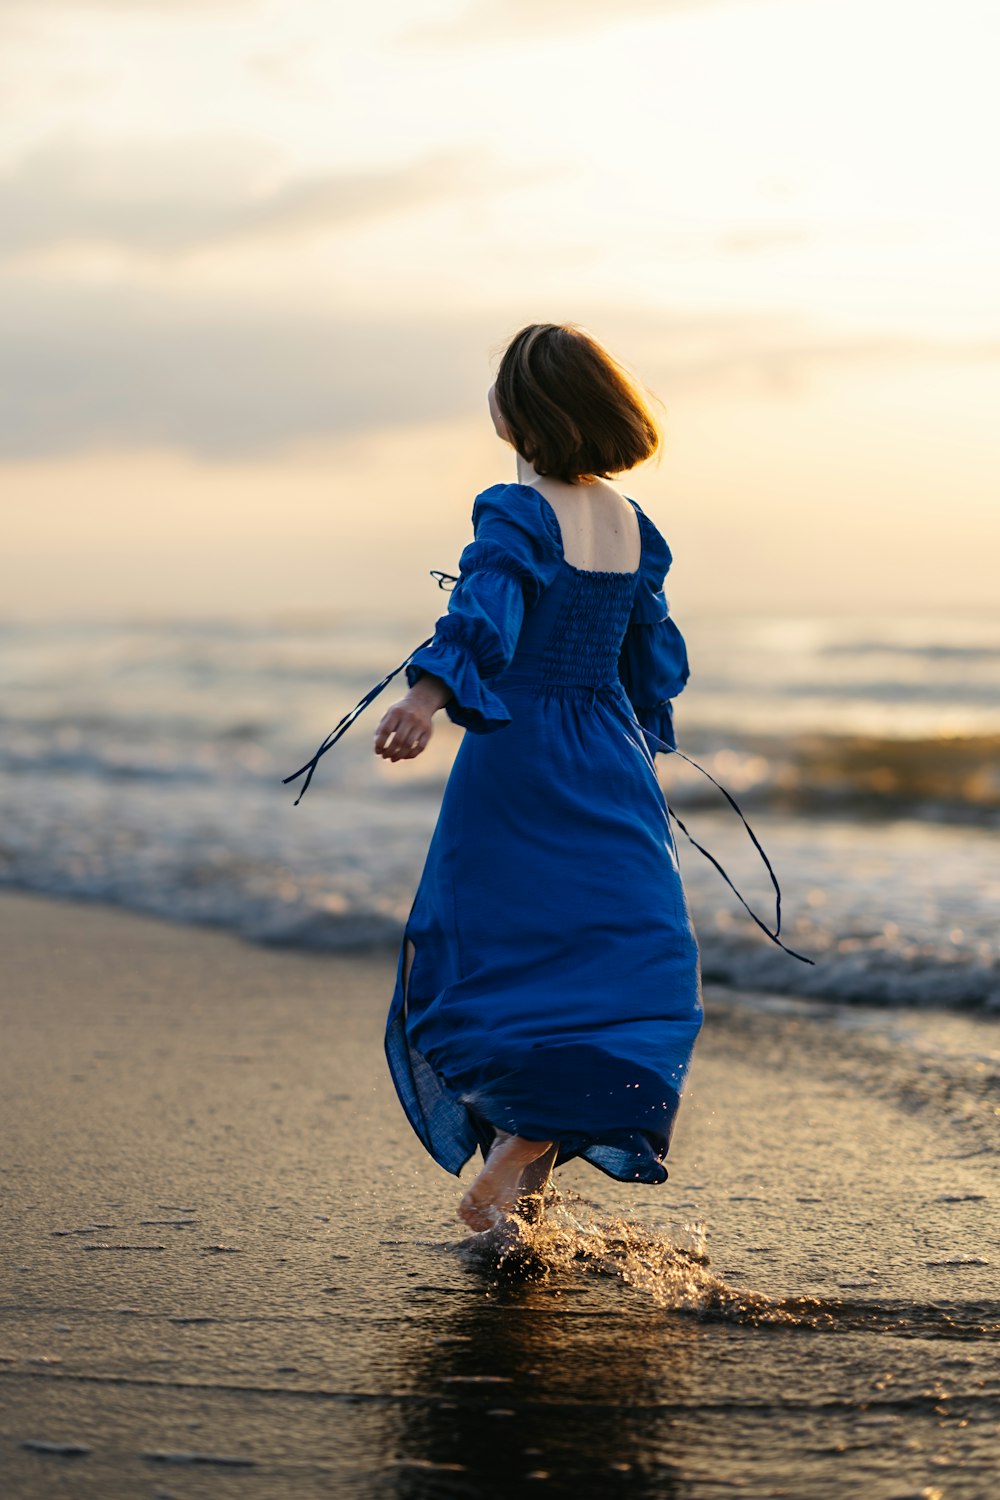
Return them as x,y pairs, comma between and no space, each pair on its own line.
510,562
653,667
405,728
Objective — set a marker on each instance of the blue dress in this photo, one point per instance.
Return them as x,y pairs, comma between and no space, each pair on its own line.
554,989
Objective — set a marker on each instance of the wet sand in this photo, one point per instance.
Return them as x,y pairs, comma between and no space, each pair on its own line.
229,1269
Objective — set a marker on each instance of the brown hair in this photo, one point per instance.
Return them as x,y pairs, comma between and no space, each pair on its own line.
570,409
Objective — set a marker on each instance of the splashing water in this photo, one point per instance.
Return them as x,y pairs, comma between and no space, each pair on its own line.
671,1267
572,1236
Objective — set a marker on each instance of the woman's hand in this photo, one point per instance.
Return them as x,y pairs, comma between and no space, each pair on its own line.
405,729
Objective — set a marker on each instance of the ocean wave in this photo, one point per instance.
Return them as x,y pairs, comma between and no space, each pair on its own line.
940,778
897,913
868,972
142,763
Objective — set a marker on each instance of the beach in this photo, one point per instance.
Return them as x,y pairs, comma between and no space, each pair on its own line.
229,1267
279,416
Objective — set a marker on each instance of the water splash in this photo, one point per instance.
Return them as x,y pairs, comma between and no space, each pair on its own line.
573,1236
671,1267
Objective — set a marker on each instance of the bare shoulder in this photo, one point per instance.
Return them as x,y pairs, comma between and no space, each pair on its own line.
599,526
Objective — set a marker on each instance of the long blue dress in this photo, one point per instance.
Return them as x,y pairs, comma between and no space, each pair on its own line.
554,990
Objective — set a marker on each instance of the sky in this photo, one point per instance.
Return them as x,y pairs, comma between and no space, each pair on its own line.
259,259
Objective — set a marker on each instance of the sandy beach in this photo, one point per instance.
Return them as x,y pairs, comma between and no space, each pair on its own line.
230,1269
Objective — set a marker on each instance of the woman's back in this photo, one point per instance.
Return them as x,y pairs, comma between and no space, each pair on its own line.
571,636
598,525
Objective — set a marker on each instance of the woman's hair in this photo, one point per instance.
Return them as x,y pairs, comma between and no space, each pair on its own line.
571,409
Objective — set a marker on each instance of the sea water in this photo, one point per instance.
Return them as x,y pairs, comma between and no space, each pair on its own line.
142,763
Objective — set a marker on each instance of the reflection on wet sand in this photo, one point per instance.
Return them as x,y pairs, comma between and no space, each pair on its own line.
526,1382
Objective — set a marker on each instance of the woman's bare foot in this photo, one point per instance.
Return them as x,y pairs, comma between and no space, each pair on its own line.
496,1189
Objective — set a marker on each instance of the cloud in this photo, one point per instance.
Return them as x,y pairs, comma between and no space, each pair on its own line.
778,353
488,20
133,368
171,199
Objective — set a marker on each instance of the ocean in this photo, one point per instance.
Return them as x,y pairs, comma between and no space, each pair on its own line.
142,764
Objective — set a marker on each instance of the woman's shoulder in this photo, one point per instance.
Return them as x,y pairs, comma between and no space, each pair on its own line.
656,554
513,534
509,495
509,509
512,511
650,606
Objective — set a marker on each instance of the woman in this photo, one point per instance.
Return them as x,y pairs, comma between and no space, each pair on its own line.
547,992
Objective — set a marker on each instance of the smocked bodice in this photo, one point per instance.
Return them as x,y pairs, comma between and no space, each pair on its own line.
573,634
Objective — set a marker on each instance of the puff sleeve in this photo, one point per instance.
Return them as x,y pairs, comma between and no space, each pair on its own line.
502,572
653,662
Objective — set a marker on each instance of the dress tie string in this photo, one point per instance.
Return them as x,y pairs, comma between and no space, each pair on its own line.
673,750
340,729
